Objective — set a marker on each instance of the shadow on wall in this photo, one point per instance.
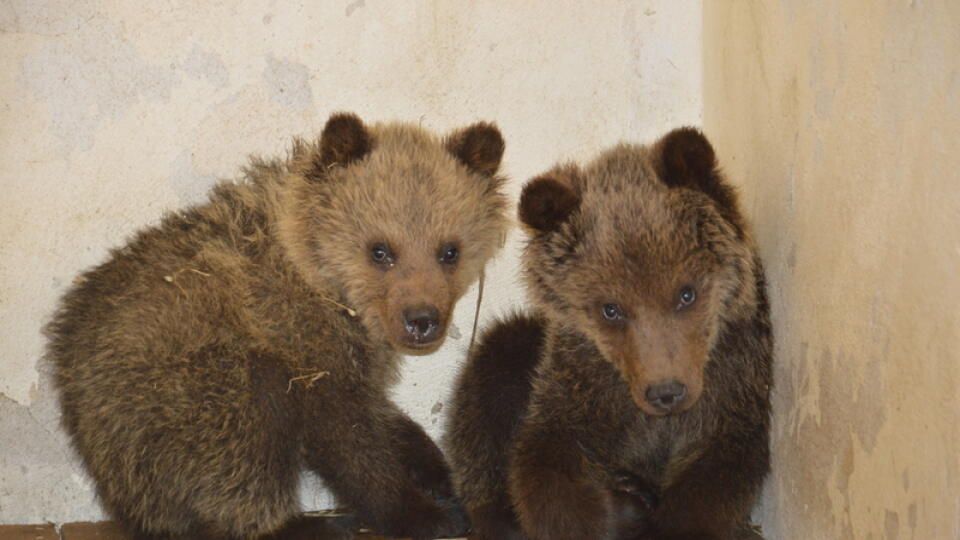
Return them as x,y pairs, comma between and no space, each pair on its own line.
841,121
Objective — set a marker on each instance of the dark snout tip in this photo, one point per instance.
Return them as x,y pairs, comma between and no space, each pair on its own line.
666,396
422,323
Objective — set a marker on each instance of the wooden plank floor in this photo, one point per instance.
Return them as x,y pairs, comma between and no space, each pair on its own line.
28,532
104,530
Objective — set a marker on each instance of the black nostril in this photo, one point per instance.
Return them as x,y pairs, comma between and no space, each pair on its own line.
422,322
667,395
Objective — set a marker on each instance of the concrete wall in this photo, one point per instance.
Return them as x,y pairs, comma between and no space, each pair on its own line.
113,112
841,121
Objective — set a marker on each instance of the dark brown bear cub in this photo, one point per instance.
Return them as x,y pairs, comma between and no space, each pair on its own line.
217,355
634,403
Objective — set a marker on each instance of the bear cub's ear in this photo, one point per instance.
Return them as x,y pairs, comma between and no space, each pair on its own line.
686,159
344,140
549,199
478,147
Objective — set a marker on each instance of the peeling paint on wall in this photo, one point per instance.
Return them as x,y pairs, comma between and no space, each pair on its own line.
37,466
83,87
289,82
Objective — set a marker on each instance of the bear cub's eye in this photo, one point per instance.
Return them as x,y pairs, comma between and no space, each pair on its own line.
612,312
380,254
687,297
449,254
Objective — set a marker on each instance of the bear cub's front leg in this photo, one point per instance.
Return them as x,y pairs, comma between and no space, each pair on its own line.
558,496
428,470
399,485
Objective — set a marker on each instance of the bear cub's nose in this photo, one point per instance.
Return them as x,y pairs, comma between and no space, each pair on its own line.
666,396
422,323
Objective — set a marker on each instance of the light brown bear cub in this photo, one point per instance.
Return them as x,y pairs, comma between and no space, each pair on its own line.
218,354
634,403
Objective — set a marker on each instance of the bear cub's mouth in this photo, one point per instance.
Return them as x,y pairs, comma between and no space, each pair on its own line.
421,347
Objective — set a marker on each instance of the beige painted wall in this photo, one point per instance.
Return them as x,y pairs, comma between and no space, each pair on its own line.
113,112
841,121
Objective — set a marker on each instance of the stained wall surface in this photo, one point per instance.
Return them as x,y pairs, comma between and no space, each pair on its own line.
115,112
841,122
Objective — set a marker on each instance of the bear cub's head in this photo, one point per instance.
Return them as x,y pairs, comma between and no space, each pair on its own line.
644,252
395,220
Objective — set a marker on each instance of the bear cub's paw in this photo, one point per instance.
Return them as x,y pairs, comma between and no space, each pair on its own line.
426,520
633,500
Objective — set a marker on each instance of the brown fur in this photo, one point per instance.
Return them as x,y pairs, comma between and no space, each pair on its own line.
213,357
483,421
590,453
